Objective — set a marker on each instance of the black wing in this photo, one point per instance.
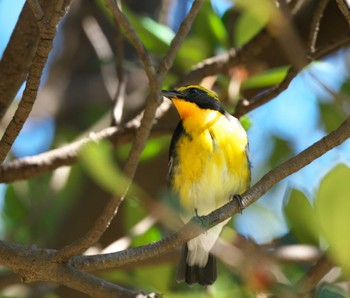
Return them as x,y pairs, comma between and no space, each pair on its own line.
179,131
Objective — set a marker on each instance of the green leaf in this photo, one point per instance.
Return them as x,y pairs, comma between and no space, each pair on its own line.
330,291
153,148
155,277
152,235
268,78
246,122
281,152
332,206
98,161
301,218
254,16
192,51
332,116
210,28
155,36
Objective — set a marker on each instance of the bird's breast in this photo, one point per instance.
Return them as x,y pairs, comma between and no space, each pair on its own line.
211,164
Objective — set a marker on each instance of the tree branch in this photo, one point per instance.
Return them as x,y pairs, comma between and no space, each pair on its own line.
34,264
244,105
30,92
308,282
14,65
141,137
315,24
67,155
28,167
222,63
345,9
135,40
93,235
152,104
199,225
177,41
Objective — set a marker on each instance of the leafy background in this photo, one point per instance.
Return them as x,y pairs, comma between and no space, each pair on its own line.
310,207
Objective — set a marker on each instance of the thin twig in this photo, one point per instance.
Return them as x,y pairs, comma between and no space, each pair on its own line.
119,98
103,51
198,225
142,134
79,246
345,9
315,24
244,106
135,40
28,167
224,62
177,41
152,102
331,46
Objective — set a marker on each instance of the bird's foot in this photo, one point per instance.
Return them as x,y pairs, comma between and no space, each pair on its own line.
239,201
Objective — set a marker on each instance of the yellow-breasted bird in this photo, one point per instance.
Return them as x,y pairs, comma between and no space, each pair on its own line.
208,162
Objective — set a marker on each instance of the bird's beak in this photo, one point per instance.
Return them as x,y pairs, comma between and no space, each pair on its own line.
171,94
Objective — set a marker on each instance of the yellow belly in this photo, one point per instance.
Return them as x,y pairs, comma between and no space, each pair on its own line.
211,165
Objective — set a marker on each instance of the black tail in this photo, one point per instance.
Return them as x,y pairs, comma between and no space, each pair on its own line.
205,276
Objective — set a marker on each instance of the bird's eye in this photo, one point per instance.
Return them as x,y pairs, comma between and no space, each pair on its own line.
193,91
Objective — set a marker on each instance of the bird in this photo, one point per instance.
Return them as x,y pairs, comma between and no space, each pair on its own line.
208,165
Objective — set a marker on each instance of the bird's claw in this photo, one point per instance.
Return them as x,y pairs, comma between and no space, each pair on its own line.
239,201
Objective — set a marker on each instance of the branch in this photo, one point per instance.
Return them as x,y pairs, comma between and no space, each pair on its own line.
222,63
344,8
244,105
79,246
33,80
142,134
34,264
14,65
315,24
308,282
177,41
28,167
135,40
198,225
152,102
67,155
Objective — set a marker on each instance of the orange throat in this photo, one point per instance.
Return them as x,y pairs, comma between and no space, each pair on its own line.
186,109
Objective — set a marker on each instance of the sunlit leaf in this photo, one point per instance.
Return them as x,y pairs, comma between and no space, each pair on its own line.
192,51
98,161
155,277
155,36
209,26
254,16
153,148
134,212
152,235
301,218
246,122
332,206
268,78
